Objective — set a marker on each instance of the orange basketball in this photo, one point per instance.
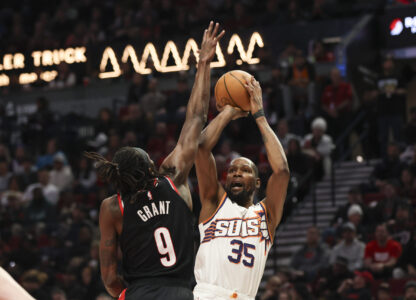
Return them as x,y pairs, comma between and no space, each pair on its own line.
230,90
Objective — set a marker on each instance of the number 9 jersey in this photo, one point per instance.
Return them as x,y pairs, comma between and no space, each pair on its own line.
157,236
230,261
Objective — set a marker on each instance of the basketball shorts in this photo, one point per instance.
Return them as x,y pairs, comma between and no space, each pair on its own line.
158,290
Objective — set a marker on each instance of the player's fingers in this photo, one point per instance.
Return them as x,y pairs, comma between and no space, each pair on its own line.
214,33
220,35
211,24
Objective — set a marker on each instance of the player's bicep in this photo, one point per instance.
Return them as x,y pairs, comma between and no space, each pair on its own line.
108,243
275,197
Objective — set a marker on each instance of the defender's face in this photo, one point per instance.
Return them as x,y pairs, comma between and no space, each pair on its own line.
241,177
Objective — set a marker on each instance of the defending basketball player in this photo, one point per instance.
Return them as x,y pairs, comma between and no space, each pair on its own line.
10,289
236,235
150,217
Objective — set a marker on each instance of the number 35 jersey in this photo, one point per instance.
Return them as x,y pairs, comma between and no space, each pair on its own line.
235,243
157,236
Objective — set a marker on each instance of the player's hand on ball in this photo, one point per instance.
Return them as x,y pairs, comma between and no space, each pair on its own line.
209,42
234,112
256,98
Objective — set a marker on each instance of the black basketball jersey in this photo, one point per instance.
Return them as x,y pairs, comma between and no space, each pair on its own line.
157,235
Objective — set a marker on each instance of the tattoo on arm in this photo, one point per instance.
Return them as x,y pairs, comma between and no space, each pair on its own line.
107,258
110,242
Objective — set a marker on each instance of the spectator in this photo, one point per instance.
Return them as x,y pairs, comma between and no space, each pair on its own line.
349,247
33,281
337,103
61,175
273,288
4,175
355,216
85,176
17,162
153,101
299,162
410,290
176,103
390,167
407,184
46,160
385,208
137,88
311,258
105,121
28,176
50,191
354,197
65,79
407,262
410,129
358,288
300,76
284,135
319,145
320,54
330,278
38,210
58,294
382,254
401,226
390,95
383,292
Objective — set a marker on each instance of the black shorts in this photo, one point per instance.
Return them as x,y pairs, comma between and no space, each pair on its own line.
157,290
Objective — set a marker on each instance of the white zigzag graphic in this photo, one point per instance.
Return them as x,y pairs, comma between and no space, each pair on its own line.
181,64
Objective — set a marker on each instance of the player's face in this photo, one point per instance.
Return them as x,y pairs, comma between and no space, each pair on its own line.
241,181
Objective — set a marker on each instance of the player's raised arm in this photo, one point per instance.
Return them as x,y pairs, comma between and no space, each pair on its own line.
180,161
278,181
210,190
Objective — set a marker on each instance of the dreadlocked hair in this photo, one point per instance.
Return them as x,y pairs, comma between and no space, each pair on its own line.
129,171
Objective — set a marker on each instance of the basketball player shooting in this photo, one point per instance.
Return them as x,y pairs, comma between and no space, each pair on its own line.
236,235
150,216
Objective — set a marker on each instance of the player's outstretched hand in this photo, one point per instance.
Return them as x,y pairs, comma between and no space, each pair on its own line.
209,42
256,99
234,112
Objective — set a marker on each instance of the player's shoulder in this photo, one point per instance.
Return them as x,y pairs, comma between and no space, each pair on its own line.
111,205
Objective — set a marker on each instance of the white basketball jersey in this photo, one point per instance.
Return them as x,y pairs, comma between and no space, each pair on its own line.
235,243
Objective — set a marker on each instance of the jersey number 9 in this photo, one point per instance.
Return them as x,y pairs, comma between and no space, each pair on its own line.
165,247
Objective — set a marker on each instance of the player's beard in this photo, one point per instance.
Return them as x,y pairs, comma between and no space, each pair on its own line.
241,198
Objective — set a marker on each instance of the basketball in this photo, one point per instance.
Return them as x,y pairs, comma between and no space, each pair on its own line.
230,90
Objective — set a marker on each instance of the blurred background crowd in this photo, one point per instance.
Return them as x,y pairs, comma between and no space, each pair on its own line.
50,194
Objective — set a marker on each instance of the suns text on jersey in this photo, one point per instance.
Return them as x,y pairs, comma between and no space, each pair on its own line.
236,228
153,210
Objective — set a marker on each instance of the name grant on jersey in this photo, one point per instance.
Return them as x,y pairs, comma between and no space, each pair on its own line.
243,228
150,211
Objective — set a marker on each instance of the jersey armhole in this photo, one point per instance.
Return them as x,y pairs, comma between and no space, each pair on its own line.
120,204
267,220
216,211
173,186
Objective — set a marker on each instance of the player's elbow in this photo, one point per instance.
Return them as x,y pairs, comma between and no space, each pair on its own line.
110,282
283,170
